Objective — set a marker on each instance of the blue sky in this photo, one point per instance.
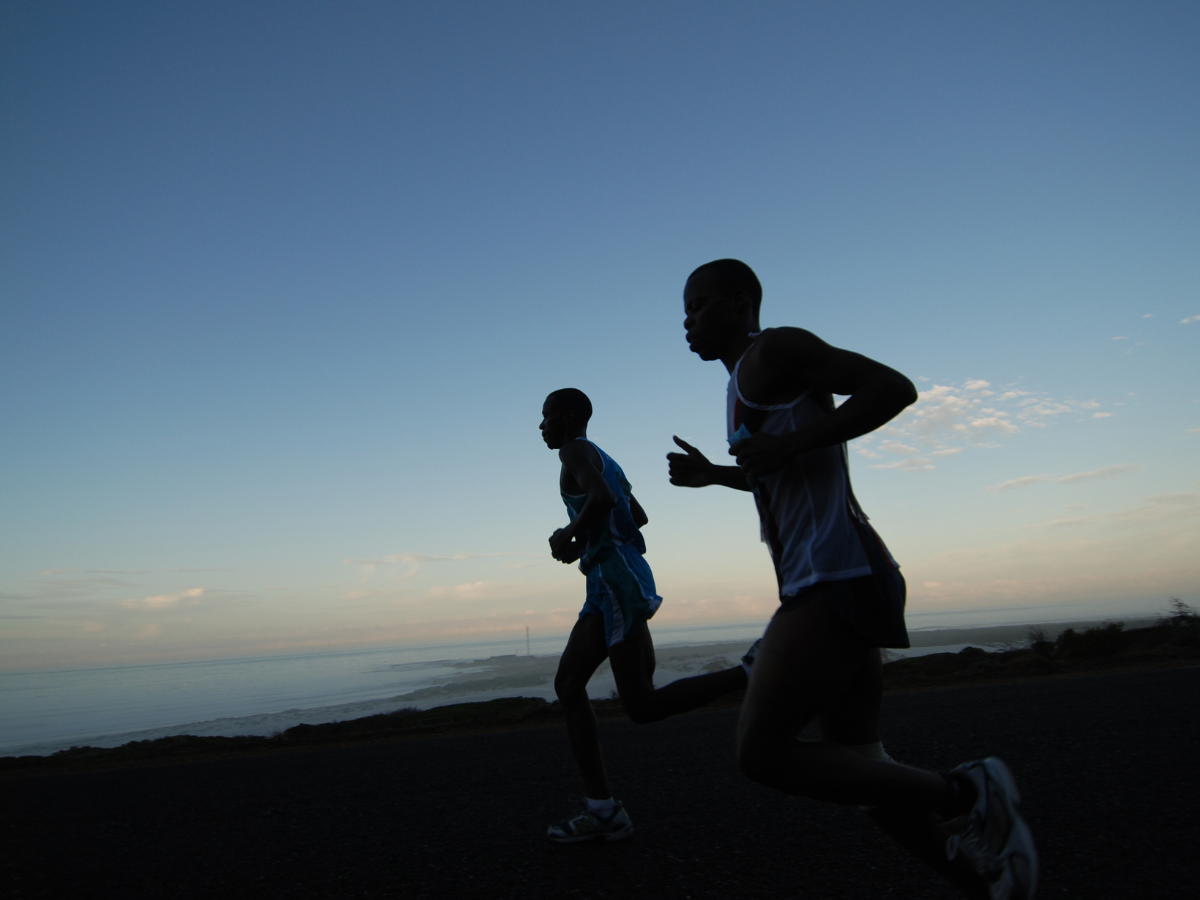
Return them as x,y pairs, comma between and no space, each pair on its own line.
282,288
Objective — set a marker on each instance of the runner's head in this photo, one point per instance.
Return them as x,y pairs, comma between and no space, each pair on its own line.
720,304
565,415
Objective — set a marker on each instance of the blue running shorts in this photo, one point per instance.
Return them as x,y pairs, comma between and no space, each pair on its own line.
620,587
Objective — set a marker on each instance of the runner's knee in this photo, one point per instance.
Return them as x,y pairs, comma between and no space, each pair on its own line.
768,759
569,689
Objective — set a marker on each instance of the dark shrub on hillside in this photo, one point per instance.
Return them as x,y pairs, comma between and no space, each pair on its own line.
1181,615
1095,643
1038,643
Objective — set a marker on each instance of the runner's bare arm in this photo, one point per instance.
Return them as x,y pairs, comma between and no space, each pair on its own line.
783,363
693,469
567,544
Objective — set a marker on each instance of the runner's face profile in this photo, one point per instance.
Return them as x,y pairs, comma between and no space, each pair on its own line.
711,318
554,425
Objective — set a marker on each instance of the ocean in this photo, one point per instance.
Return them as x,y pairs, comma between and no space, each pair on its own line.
42,712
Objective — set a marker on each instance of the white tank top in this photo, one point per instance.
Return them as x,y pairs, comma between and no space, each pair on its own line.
806,507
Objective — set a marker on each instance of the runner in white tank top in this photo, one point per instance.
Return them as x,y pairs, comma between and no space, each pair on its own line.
804,507
811,522
841,594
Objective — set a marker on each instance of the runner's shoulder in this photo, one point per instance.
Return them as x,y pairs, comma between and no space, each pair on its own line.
777,351
785,336
785,339
580,452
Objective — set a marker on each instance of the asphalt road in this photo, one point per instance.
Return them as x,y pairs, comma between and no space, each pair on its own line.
1105,764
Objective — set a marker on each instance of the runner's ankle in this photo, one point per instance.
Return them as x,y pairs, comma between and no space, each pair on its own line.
602,808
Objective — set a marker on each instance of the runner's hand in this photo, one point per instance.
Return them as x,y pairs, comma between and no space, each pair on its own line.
564,548
763,454
690,469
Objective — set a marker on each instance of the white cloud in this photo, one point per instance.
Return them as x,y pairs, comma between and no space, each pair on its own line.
1102,415
1161,508
1192,431
165,601
899,449
1064,521
1106,472
415,560
948,418
1157,509
997,422
1148,316
1014,483
1189,320
1121,338
496,590
915,464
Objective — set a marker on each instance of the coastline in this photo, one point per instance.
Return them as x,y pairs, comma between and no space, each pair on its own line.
1098,650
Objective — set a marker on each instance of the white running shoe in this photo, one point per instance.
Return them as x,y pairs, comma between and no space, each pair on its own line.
587,826
993,837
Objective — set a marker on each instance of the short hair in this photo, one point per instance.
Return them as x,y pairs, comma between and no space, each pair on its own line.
573,400
731,275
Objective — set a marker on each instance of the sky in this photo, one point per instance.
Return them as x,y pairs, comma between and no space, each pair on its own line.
283,287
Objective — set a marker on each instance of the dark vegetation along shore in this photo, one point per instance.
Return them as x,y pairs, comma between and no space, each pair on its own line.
1174,640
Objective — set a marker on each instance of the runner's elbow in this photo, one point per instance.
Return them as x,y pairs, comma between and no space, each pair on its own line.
905,390
603,500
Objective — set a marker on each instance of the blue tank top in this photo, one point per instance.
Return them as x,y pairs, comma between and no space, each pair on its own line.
619,529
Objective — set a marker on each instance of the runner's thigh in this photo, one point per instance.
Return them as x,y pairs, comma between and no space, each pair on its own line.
853,718
585,650
808,660
632,663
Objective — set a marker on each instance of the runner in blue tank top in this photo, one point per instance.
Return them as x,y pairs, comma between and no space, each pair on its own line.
605,536
841,593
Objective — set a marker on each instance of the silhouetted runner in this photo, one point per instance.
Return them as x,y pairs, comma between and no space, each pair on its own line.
841,593
605,536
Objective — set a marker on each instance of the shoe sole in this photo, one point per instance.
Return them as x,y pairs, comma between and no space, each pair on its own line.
1022,885
603,836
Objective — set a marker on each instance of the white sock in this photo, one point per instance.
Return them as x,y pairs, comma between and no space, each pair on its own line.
602,808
